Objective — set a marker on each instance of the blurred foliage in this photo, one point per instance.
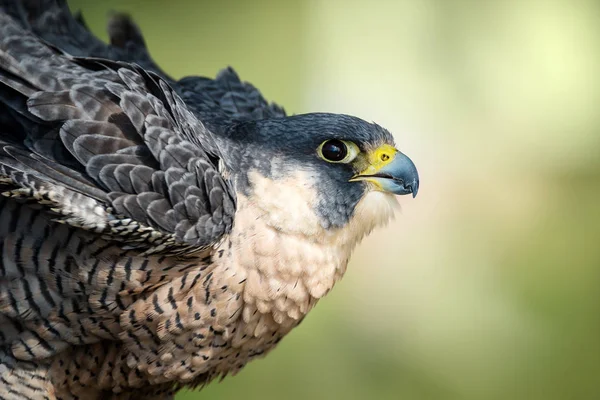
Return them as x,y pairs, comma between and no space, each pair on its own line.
487,285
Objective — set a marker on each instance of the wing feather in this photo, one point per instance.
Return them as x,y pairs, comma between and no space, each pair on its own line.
130,133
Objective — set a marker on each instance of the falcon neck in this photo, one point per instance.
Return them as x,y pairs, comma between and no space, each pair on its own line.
287,260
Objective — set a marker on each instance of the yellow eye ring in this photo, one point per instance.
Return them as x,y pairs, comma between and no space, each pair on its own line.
338,151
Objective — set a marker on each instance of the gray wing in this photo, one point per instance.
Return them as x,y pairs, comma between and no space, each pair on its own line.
226,98
217,102
52,21
108,146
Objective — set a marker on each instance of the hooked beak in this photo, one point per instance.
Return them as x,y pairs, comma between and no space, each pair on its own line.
390,171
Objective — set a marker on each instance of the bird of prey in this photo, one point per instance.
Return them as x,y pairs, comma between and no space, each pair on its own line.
158,233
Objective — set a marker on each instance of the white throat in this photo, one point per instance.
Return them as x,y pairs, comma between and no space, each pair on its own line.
289,260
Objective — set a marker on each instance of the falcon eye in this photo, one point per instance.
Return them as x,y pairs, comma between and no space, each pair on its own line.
334,150
338,151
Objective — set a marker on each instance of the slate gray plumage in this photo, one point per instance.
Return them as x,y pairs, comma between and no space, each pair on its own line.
158,233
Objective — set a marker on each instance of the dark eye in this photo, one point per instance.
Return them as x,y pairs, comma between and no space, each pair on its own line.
334,150
338,151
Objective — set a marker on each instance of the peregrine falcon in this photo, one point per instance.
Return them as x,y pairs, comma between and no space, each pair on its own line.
158,233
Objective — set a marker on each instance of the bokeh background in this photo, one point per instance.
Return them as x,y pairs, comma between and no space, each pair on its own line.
487,285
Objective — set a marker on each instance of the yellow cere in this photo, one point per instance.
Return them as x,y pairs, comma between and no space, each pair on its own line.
372,161
378,158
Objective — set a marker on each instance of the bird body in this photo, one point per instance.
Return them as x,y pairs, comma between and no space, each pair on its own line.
156,233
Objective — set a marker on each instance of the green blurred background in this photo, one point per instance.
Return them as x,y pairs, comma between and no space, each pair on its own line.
487,285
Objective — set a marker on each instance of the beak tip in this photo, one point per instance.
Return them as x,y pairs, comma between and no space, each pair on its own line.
415,188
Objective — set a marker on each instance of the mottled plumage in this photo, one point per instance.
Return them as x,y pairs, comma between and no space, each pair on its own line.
156,233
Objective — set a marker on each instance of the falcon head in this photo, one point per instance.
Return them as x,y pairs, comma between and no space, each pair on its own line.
317,167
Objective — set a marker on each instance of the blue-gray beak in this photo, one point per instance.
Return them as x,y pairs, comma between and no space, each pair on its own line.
398,175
